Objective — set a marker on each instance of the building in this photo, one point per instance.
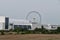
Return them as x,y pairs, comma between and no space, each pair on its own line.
7,23
51,27
25,24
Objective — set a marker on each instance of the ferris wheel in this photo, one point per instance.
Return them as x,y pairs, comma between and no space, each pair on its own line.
34,17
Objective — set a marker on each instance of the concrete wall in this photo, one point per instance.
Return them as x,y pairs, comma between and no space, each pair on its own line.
2,19
2,22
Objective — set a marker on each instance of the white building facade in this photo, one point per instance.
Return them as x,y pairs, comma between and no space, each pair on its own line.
14,23
50,27
7,23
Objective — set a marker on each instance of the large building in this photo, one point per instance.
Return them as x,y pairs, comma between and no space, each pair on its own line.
7,23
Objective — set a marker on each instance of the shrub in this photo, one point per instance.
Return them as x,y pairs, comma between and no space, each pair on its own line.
17,29
2,32
38,29
58,29
11,30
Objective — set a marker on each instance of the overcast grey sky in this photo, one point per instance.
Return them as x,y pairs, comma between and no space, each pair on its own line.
49,9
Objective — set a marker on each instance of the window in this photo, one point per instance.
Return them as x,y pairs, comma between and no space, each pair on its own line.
15,26
11,24
20,26
53,27
29,26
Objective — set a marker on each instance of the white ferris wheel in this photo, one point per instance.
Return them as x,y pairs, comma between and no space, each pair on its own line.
34,17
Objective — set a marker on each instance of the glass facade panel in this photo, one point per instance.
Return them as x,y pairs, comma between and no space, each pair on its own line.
15,26
29,26
20,26
23,26
6,23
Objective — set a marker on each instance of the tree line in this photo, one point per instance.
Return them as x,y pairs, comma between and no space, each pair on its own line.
35,31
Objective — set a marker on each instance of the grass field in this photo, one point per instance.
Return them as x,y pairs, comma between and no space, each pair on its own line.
31,37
